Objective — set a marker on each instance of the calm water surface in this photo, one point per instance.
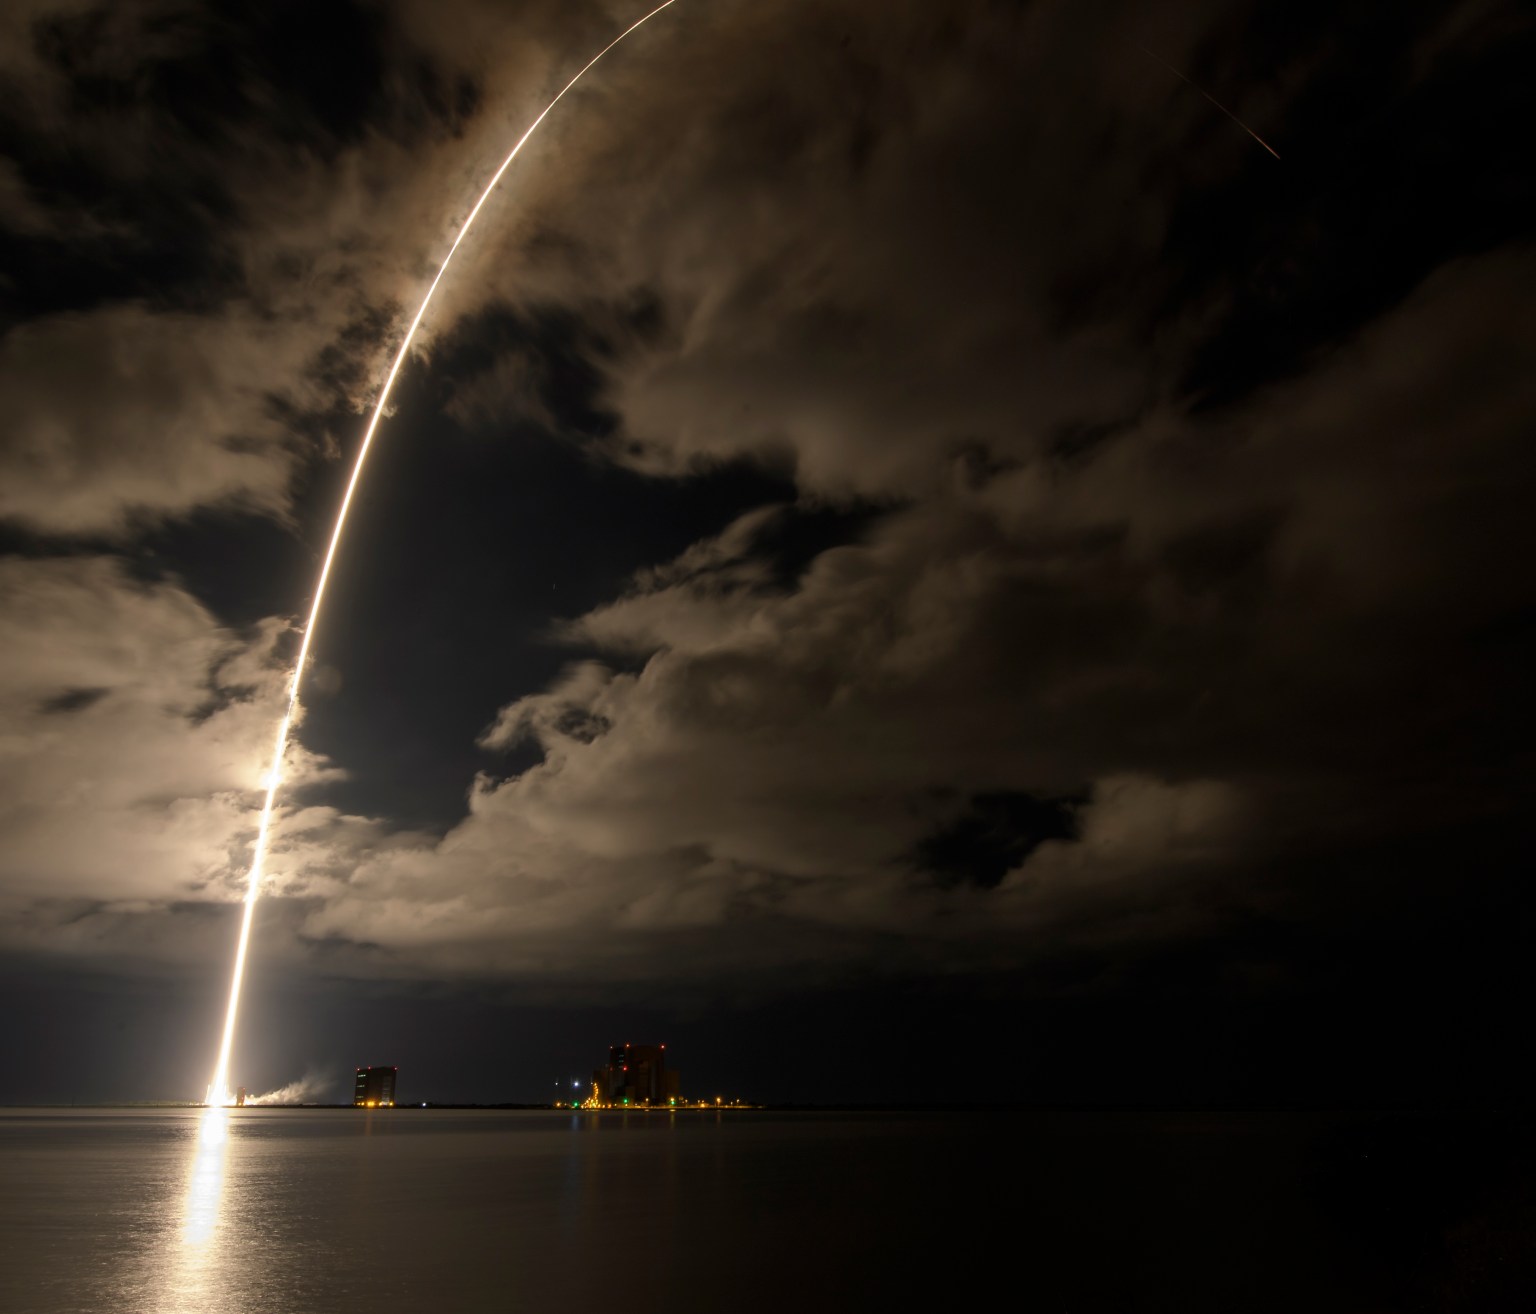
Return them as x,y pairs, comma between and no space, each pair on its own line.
336,1210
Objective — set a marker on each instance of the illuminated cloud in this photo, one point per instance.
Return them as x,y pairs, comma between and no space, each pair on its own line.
126,414
1109,632
135,730
1116,633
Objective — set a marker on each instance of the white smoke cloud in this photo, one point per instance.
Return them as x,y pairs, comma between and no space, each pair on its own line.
311,1088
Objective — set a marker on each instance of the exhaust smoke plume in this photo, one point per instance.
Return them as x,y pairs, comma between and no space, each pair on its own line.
308,1089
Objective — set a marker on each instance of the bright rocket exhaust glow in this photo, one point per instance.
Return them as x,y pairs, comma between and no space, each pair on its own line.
218,1087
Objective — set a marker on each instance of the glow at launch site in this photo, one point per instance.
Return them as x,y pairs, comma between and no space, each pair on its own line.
218,1088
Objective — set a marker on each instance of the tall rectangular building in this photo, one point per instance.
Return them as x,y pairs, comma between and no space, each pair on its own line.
374,1088
636,1075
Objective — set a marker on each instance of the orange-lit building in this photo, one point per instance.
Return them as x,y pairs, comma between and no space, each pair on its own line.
636,1075
374,1088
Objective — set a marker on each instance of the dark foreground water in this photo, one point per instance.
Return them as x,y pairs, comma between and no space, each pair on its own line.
335,1210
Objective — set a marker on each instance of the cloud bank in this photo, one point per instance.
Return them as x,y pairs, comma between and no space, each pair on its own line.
1168,558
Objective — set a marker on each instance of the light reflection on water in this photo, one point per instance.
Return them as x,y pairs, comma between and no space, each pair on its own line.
191,1267
205,1188
295,1212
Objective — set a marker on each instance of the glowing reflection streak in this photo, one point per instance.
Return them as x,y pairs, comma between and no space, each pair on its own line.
195,1276
218,1088
205,1186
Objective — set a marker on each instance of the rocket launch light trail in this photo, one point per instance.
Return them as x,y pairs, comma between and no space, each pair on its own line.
218,1088
1185,78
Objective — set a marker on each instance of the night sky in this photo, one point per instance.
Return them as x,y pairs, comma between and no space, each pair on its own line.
916,561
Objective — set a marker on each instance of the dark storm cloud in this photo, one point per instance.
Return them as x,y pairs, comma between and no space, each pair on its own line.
1133,574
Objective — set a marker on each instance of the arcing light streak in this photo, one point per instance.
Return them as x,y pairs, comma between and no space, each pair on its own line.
218,1088
1183,77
